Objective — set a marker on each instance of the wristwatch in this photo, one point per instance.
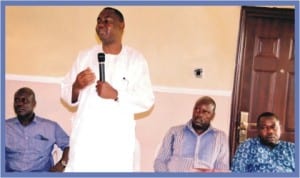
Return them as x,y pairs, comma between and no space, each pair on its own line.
64,163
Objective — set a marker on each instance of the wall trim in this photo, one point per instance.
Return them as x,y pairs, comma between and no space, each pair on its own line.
191,91
33,78
162,89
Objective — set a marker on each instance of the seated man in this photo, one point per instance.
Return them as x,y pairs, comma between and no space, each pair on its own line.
196,145
29,139
265,153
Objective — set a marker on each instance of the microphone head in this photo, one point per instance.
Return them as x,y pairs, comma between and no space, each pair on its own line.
101,57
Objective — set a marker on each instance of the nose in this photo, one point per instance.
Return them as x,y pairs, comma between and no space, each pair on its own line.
270,131
199,114
19,105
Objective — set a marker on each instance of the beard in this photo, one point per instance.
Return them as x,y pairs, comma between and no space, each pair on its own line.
268,143
202,126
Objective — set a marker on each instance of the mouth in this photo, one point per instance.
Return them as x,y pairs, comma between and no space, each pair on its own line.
198,122
20,110
101,31
271,138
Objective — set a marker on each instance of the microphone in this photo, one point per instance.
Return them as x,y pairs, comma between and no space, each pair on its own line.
101,59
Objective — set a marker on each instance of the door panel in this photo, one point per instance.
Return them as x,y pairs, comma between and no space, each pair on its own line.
264,77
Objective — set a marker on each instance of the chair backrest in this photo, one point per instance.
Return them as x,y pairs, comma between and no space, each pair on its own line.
56,154
137,156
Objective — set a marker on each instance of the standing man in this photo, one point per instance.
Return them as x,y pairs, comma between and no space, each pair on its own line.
30,139
265,153
195,146
103,135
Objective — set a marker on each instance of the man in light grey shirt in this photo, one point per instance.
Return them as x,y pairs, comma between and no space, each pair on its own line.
196,145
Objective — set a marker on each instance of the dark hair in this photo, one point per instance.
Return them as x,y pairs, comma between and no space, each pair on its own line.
117,12
266,114
207,100
26,90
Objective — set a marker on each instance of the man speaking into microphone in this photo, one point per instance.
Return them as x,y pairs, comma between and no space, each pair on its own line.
103,133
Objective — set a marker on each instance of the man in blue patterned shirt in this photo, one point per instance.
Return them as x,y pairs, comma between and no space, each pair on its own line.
265,153
195,146
29,139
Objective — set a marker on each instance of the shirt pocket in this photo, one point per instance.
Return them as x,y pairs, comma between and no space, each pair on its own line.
41,143
121,83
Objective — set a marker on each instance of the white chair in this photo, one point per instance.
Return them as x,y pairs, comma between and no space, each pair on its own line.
56,154
137,156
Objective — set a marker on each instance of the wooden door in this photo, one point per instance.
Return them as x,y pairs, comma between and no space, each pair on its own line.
264,76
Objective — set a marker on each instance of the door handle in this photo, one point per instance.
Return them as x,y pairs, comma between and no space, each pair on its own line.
243,127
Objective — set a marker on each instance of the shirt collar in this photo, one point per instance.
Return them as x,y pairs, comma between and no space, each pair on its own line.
190,127
278,145
34,121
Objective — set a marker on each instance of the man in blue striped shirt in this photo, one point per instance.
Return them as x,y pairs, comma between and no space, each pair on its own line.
196,145
29,139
